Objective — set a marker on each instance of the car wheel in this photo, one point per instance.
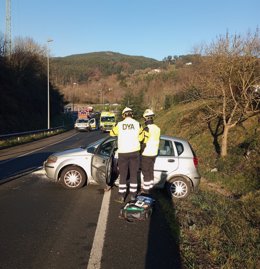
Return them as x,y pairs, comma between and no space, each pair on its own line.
179,188
73,177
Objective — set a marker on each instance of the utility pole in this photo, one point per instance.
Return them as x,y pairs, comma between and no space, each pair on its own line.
8,39
48,85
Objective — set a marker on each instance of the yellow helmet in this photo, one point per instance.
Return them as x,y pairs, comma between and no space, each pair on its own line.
148,113
126,109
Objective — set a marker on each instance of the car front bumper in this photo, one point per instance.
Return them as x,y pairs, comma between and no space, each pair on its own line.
49,170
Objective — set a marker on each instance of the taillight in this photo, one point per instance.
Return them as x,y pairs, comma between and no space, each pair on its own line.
195,161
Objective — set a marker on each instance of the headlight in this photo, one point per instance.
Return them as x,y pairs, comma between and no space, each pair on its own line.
52,159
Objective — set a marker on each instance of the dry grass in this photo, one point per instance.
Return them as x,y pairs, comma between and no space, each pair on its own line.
215,231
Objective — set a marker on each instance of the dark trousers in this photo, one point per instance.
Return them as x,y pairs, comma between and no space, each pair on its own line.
128,164
147,167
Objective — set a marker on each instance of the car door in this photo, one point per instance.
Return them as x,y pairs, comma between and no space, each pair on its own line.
166,162
92,123
102,161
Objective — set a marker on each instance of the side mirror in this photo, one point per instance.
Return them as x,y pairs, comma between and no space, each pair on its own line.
91,150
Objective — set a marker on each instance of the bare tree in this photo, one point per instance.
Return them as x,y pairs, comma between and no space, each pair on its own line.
228,78
29,46
2,43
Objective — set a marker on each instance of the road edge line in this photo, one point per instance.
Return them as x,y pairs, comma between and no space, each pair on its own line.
94,261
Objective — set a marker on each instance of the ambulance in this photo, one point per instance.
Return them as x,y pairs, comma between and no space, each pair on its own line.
107,121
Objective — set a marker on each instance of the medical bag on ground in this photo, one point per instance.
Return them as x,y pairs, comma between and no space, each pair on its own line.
137,210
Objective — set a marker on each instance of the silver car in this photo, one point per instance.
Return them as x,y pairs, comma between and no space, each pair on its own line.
82,125
176,166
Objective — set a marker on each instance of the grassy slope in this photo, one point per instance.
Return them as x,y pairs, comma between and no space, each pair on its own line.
214,229
184,121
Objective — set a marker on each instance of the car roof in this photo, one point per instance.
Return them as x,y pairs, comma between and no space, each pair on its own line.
187,152
177,139
78,120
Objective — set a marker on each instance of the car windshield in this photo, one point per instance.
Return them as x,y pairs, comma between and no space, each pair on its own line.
108,119
95,144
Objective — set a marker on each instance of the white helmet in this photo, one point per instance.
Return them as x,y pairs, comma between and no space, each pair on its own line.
148,113
126,109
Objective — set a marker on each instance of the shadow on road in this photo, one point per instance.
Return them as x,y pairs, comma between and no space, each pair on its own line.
162,246
145,244
19,166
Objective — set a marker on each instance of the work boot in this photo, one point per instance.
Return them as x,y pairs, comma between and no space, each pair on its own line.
132,197
144,192
120,199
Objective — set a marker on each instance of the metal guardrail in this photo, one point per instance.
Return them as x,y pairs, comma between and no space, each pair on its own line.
22,134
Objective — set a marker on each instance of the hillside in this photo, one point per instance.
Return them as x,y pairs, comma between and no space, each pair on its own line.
91,78
218,225
94,58
23,102
185,120
83,67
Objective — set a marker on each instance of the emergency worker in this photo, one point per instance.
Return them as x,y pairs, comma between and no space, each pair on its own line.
150,148
130,134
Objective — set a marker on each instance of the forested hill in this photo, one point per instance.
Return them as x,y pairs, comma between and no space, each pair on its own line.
81,67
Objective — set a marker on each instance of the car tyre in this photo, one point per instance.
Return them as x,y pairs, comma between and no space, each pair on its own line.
178,188
73,177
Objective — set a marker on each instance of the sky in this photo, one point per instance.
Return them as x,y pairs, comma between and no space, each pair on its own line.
150,28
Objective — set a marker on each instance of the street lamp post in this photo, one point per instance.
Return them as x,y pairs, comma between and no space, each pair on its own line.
48,84
73,94
102,92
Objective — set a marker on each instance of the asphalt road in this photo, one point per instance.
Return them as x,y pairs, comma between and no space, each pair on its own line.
28,157
44,225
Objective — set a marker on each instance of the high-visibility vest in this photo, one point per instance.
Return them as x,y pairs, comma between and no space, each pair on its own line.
152,139
130,133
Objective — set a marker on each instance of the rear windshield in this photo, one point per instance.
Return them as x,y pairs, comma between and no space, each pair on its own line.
82,121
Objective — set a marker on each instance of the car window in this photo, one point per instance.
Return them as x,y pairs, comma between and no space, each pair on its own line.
166,148
106,148
179,148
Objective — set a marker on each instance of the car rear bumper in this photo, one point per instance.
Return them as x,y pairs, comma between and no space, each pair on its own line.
196,182
82,128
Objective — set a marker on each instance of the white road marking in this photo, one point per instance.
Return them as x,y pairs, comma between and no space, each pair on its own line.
98,242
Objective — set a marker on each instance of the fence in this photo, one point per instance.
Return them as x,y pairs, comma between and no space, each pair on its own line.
18,136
